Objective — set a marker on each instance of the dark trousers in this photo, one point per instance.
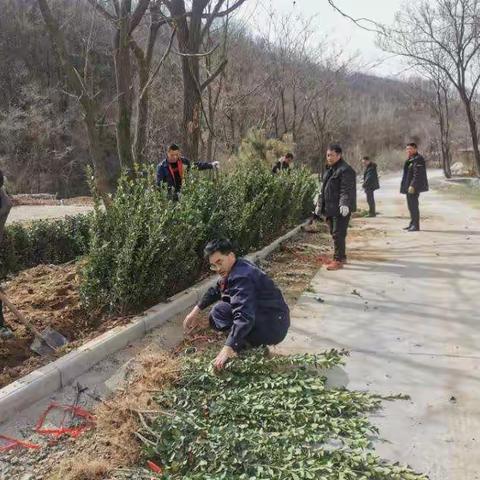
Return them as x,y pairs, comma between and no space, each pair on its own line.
338,231
371,202
412,202
267,330
2,321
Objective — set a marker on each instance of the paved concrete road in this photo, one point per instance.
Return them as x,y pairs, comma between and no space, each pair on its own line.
24,213
414,329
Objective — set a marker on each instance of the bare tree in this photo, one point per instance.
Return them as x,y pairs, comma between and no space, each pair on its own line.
102,144
146,74
192,28
445,37
125,19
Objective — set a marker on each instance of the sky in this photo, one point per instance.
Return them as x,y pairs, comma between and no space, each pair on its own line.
340,30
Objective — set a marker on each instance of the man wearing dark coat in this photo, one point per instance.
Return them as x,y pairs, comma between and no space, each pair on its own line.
171,171
414,182
339,201
370,184
248,304
284,164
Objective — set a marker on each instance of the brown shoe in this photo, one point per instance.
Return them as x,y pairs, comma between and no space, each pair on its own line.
335,265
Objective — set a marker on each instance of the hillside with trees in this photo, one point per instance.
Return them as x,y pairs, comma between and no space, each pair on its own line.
77,88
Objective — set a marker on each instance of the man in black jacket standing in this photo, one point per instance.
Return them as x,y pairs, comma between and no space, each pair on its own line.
370,184
414,182
339,201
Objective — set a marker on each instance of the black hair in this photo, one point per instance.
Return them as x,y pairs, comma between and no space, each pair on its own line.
173,147
289,155
366,158
221,245
413,145
335,147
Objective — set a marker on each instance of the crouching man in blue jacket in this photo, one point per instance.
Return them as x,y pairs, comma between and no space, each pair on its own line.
250,306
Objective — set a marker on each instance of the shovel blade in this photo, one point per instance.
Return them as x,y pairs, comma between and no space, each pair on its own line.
51,340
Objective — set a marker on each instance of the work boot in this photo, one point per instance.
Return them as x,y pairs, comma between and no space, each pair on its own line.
413,228
335,265
5,333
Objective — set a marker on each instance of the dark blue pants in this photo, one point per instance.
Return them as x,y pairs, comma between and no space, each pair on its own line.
371,202
338,230
268,329
412,202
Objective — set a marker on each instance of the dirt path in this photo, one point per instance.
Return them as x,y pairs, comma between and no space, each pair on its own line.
24,213
407,307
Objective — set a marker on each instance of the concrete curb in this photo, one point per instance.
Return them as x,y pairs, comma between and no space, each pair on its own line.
52,377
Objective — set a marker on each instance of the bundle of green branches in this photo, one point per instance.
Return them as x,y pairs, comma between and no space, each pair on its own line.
265,418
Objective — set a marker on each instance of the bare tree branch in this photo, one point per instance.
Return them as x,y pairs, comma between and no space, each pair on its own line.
138,14
102,10
214,75
377,27
160,63
196,55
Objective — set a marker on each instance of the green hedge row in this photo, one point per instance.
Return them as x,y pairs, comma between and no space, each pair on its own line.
43,241
146,248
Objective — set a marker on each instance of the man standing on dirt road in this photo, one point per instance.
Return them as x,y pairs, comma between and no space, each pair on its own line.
5,206
172,170
250,306
414,182
339,201
370,184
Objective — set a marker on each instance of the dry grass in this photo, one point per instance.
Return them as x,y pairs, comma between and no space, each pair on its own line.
114,442
89,470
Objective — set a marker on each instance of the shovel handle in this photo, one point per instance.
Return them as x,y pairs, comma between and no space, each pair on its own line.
21,318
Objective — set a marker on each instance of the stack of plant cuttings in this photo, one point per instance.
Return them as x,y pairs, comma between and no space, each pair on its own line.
263,418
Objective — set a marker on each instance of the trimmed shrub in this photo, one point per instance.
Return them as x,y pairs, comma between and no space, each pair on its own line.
146,248
43,241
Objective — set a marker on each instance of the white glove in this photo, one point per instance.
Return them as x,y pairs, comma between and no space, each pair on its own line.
344,211
216,164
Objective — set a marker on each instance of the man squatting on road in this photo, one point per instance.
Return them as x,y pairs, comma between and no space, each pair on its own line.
250,306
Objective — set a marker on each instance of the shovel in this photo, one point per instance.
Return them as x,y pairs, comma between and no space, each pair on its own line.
46,342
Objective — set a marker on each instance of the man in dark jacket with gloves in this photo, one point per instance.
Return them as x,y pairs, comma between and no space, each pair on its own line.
370,184
339,201
414,182
171,171
250,306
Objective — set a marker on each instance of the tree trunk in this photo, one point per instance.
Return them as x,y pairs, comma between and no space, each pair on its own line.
143,97
473,130
123,76
191,107
103,150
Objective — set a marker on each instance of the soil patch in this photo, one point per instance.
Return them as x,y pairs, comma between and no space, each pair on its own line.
48,295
